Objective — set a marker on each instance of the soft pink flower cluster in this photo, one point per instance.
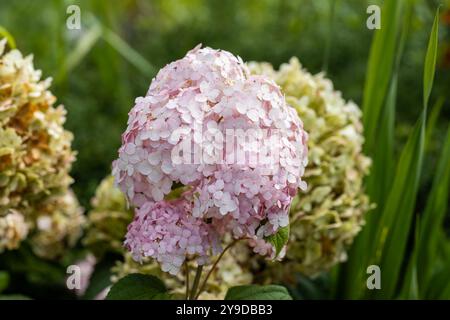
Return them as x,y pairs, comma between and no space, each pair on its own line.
194,105
168,232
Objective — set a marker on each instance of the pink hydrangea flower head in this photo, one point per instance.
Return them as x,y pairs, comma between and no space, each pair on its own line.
227,136
167,232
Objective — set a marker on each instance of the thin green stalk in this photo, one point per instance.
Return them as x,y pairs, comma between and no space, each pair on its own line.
329,37
214,267
187,279
198,275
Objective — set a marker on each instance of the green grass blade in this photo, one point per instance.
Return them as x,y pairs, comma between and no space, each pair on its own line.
398,213
377,183
379,69
82,48
432,119
410,288
352,274
329,36
430,60
439,283
433,215
131,55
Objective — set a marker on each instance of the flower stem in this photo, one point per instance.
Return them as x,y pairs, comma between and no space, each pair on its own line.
198,275
213,267
187,279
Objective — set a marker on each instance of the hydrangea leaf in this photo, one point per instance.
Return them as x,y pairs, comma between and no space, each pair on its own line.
4,280
279,239
14,297
138,287
256,292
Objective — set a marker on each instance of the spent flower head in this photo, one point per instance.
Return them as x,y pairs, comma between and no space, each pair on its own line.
35,157
326,218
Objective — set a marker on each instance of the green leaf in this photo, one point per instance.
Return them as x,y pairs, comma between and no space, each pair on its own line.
9,38
379,69
4,280
100,279
439,284
35,269
329,35
279,239
432,120
430,60
379,104
410,288
256,292
138,287
13,297
397,216
307,288
433,215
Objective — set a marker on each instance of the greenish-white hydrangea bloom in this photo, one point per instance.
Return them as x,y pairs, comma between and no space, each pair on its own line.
107,220
35,158
13,229
58,225
326,218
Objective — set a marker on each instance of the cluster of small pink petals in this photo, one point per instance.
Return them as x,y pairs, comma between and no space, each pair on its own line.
167,232
197,101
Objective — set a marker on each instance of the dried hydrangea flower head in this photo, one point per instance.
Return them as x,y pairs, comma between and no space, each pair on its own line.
35,150
108,219
326,218
229,138
58,225
13,229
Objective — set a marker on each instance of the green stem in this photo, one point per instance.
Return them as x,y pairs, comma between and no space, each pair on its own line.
213,267
198,275
187,279
329,38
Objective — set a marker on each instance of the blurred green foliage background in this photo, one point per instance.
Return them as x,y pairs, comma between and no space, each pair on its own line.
97,78
100,69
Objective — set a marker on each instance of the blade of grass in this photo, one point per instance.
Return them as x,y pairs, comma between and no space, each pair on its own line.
410,288
379,69
432,119
351,274
329,37
398,213
439,284
82,48
433,216
128,53
430,60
